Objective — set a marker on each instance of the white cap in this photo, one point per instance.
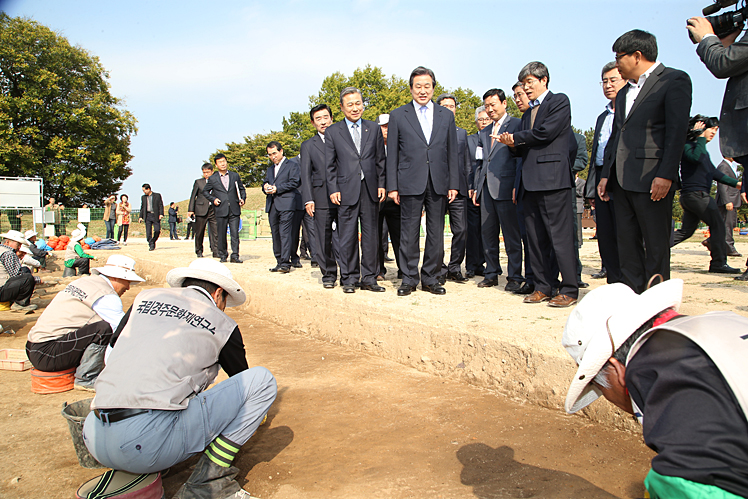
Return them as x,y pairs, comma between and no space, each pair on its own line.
383,119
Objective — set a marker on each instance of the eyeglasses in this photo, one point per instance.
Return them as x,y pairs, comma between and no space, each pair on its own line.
620,56
483,120
531,82
612,81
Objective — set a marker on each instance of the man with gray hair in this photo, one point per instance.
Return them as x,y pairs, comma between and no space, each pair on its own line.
457,209
355,159
544,143
474,257
683,378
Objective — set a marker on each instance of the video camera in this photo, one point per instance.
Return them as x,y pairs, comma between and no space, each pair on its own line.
729,22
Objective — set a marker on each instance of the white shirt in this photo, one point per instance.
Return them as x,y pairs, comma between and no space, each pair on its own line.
636,86
277,167
109,307
605,131
321,136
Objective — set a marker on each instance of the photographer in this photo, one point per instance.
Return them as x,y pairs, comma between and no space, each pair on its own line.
697,173
727,58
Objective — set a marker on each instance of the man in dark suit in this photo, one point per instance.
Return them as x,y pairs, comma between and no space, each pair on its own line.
389,216
457,209
282,180
607,241
317,203
544,142
355,158
493,186
422,173
204,214
152,211
728,201
226,191
643,156
474,257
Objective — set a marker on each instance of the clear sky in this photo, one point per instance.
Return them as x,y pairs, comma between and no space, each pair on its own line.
197,75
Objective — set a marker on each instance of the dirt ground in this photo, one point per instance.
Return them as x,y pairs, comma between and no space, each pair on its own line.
349,423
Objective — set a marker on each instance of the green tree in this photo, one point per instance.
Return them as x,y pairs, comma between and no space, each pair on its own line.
58,120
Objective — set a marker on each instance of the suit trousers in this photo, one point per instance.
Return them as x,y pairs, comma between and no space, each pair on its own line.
410,220
323,219
281,227
474,257
607,242
697,206
298,218
550,226
731,220
500,216
643,232
457,210
152,229
230,222
200,224
367,211
309,236
529,274
389,211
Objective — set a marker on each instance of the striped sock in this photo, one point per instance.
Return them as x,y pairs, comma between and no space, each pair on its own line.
222,451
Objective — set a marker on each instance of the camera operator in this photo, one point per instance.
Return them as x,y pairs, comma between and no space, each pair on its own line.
727,58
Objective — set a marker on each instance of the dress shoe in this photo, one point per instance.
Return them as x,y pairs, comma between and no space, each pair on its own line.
328,285
441,280
236,260
405,290
151,248
349,288
223,260
436,289
562,301
297,265
199,255
275,269
372,287
512,286
388,259
734,253
724,269
707,244
487,283
536,297
469,274
284,269
456,277
600,275
583,284
742,277
526,289
314,264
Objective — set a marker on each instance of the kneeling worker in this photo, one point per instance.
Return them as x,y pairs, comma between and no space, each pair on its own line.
152,409
75,328
684,378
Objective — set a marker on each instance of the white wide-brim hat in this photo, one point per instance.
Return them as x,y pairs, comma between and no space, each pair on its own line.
601,322
119,266
211,271
30,233
26,249
14,235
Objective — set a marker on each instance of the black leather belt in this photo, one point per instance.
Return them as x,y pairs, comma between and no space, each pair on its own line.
115,415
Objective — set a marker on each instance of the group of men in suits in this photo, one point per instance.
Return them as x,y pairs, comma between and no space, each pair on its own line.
216,202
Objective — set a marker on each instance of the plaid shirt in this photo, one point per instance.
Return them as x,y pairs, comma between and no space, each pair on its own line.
12,264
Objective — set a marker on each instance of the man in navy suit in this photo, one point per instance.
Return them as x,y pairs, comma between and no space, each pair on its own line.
544,142
643,155
474,257
494,182
282,180
457,209
226,191
317,202
204,213
355,158
422,173
605,220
